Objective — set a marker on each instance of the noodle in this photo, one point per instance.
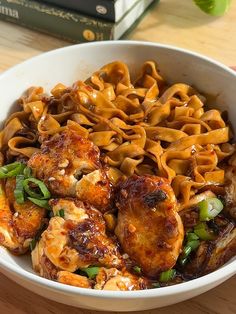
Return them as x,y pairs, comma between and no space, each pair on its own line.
141,126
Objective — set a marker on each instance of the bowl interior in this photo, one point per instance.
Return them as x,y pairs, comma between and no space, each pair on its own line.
78,62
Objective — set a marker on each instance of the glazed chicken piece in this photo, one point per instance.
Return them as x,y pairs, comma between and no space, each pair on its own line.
149,228
210,255
69,165
113,279
46,269
41,264
74,280
19,223
75,241
87,233
230,191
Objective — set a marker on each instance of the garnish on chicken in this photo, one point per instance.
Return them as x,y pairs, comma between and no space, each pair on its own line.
69,165
76,240
213,253
19,223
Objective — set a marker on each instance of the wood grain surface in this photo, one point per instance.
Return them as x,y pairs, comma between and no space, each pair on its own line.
172,22
17,300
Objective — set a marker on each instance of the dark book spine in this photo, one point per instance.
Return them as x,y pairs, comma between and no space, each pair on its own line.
55,21
98,8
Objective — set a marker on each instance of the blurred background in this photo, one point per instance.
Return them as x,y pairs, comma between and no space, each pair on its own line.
173,22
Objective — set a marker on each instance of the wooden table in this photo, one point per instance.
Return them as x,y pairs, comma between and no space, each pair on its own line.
171,22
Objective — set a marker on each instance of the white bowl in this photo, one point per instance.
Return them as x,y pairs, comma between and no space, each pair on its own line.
69,64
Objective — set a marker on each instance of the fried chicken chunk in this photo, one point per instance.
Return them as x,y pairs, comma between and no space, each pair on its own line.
230,191
73,280
41,264
210,255
113,279
149,228
19,223
69,165
75,241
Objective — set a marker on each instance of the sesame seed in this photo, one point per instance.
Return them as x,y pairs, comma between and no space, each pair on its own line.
131,228
62,172
64,163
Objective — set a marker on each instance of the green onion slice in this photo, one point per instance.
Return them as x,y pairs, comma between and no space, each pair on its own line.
137,269
191,236
156,285
91,271
60,213
183,261
44,192
19,190
32,244
11,170
209,208
186,251
203,232
27,172
189,247
193,244
168,275
40,203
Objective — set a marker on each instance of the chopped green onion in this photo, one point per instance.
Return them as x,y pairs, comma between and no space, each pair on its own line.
44,192
189,247
156,285
209,208
40,203
193,244
186,251
32,244
183,261
137,269
60,213
19,190
204,232
91,271
11,170
168,275
27,172
183,258
191,236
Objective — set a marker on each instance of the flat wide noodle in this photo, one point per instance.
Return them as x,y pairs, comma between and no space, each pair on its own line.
141,126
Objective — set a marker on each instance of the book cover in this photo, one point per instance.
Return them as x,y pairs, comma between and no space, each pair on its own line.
56,21
68,24
112,10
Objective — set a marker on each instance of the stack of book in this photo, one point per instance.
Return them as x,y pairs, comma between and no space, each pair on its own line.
76,20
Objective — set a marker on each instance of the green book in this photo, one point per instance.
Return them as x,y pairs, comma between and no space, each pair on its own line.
68,24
